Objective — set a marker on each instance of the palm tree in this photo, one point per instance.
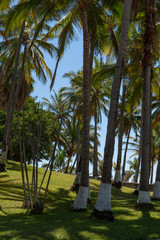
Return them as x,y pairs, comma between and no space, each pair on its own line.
144,194
80,202
103,204
11,103
32,60
131,121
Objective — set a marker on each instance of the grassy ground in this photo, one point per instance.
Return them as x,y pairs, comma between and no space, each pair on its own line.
58,222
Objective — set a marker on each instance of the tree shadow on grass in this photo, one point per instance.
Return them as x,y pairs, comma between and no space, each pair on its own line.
3,175
9,190
15,166
11,165
58,222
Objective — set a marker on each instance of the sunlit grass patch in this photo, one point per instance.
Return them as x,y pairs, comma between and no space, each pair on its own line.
58,222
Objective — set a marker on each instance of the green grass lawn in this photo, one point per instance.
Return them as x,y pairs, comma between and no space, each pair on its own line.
58,222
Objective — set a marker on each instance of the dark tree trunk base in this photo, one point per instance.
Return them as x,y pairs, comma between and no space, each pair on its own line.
3,168
75,188
37,208
117,184
72,209
105,215
136,192
144,206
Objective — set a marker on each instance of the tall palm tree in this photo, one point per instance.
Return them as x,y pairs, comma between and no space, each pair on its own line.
80,202
144,194
103,204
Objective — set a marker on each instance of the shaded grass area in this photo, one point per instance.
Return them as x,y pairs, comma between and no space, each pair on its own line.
58,222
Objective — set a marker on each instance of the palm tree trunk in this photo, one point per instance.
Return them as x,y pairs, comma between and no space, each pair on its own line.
138,164
40,187
150,144
77,181
140,154
125,155
50,173
80,202
78,146
24,158
11,104
118,179
95,170
103,204
152,168
22,168
91,56
156,191
73,166
68,162
37,150
51,163
144,194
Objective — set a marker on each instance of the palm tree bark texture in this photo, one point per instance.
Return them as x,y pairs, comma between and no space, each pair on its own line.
80,203
102,208
144,194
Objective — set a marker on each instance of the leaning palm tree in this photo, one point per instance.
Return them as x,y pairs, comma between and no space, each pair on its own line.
102,207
